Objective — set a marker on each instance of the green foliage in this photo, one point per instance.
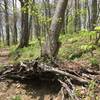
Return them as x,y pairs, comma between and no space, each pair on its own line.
35,11
94,63
78,46
72,40
26,53
1,45
82,11
75,55
84,32
91,89
17,97
97,28
87,47
87,93
74,47
92,85
70,26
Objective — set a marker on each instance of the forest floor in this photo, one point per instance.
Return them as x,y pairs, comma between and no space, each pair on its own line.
4,56
11,90
71,46
44,90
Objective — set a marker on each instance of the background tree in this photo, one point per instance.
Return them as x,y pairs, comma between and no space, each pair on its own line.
77,16
94,14
15,22
7,22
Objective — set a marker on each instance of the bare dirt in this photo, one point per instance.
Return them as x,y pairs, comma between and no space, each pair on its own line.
4,56
30,91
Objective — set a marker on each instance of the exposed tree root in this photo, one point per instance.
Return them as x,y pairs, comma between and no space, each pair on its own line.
28,70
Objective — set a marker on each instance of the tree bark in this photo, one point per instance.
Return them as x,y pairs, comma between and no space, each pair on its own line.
15,23
24,40
52,44
94,14
36,25
77,16
7,22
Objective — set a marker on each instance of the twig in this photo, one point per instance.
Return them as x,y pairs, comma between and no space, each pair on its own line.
70,92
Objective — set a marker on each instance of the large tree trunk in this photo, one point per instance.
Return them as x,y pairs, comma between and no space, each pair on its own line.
24,40
52,44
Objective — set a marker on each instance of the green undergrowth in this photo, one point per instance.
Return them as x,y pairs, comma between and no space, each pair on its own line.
79,46
88,92
76,46
1,45
26,53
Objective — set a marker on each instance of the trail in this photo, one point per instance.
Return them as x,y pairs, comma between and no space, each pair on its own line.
4,56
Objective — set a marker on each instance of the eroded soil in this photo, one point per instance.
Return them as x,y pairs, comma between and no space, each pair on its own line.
29,91
39,90
4,56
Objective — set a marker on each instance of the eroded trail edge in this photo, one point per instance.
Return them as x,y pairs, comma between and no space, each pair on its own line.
67,77
4,56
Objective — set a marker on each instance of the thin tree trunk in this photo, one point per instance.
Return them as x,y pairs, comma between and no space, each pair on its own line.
15,22
7,22
94,14
89,20
36,25
77,16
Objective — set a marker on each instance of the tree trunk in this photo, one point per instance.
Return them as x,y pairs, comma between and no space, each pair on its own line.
36,26
52,44
89,17
94,14
7,22
1,26
47,14
24,40
77,16
15,22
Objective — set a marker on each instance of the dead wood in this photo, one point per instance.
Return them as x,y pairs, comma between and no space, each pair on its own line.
88,71
35,68
69,91
30,70
62,73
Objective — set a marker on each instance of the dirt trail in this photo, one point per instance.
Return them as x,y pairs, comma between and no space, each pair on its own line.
4,56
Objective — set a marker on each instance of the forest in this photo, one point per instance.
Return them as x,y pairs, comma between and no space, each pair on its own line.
49,49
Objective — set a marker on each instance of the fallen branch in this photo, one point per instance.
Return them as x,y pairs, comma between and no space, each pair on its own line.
70,92
88,71
62,73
